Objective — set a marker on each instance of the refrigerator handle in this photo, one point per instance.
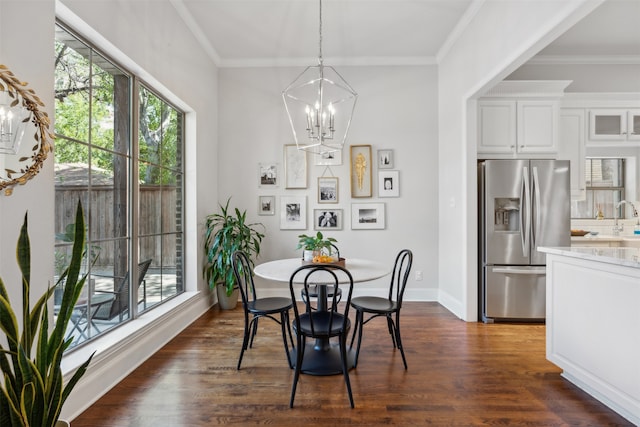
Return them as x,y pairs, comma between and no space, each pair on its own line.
536,205
525,212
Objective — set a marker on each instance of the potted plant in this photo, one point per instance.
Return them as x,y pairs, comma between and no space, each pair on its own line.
33,391
314,246
225,233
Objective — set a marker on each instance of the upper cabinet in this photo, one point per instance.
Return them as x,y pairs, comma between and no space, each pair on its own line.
613,124
520,118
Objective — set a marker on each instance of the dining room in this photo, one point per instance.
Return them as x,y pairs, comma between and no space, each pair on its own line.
414,189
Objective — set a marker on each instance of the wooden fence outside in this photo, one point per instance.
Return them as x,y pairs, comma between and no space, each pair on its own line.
158,214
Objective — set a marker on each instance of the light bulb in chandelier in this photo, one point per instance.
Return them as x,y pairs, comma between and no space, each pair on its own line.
13,119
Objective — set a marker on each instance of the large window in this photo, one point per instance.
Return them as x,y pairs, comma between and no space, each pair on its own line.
118,150
605,178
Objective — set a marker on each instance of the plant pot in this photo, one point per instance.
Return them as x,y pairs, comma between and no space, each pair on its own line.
227,302
308,255
62,423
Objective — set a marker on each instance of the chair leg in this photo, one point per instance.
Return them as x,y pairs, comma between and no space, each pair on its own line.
254,330
298,367
345,369
355,329
284,320
245,339
360,326
399,340
391,329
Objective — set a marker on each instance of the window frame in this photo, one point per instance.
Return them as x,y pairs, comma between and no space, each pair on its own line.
133,183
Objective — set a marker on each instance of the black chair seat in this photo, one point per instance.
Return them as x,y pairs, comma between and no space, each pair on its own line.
323,324
387,307
374,304
274,308
270,305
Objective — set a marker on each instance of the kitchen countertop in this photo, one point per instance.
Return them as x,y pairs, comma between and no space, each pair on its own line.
629,257
605,238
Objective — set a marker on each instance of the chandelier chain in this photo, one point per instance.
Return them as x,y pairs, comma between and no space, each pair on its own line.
320,36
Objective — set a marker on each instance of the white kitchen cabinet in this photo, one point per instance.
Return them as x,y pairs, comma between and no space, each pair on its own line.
571,146
518,126
614,124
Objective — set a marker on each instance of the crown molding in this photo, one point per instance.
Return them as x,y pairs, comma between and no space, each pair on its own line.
328,61
528,88
585,60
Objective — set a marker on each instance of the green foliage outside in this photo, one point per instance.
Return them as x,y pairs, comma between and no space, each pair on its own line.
85,113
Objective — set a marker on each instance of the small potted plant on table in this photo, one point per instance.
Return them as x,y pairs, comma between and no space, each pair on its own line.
316,246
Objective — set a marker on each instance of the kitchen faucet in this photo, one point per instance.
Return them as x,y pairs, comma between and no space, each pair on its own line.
618,228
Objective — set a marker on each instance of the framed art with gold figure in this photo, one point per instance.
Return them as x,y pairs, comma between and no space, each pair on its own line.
360,166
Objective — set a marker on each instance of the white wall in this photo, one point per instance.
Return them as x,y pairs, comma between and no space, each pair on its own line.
396,109
501,37
34,66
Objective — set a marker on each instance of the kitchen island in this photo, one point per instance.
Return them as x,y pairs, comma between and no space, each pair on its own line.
593,322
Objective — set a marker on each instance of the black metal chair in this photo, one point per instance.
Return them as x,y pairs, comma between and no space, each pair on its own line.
259,307
120,306
387,307
312,292
321,324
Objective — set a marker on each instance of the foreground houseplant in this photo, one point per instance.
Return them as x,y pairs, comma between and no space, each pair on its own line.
33,391
225,233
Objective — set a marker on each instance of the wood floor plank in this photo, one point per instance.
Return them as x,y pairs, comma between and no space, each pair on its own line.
460,374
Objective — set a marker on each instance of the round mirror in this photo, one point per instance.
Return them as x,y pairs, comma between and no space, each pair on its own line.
21,157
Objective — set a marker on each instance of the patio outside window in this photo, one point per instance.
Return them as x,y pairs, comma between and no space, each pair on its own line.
118,149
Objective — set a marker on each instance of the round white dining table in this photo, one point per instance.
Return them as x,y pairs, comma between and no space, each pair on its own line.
362,270
324,357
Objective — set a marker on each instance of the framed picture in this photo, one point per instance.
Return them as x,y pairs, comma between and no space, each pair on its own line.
295,167
367,216
293,212
328,159
327,219
328,189
385,159
266,205
268,174
360,165
388,184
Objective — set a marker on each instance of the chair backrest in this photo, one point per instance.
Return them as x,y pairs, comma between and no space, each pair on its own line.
330,276
244,276
401,269
120,303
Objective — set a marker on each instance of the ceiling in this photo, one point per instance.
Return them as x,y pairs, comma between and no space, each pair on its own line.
377,32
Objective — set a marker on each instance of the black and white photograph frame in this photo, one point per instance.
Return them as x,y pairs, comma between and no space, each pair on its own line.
266,205
367,216
328,189
327,219
388,184
295,167
333,158
385,159
268,175
293,212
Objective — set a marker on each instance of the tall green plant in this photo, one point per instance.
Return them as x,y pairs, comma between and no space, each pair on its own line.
225,234
33,391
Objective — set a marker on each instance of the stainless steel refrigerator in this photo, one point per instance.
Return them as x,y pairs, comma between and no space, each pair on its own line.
523,204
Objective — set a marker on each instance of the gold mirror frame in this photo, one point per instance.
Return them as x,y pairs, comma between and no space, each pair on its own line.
19,92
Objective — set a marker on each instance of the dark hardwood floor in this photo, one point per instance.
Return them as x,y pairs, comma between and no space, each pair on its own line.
460,374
